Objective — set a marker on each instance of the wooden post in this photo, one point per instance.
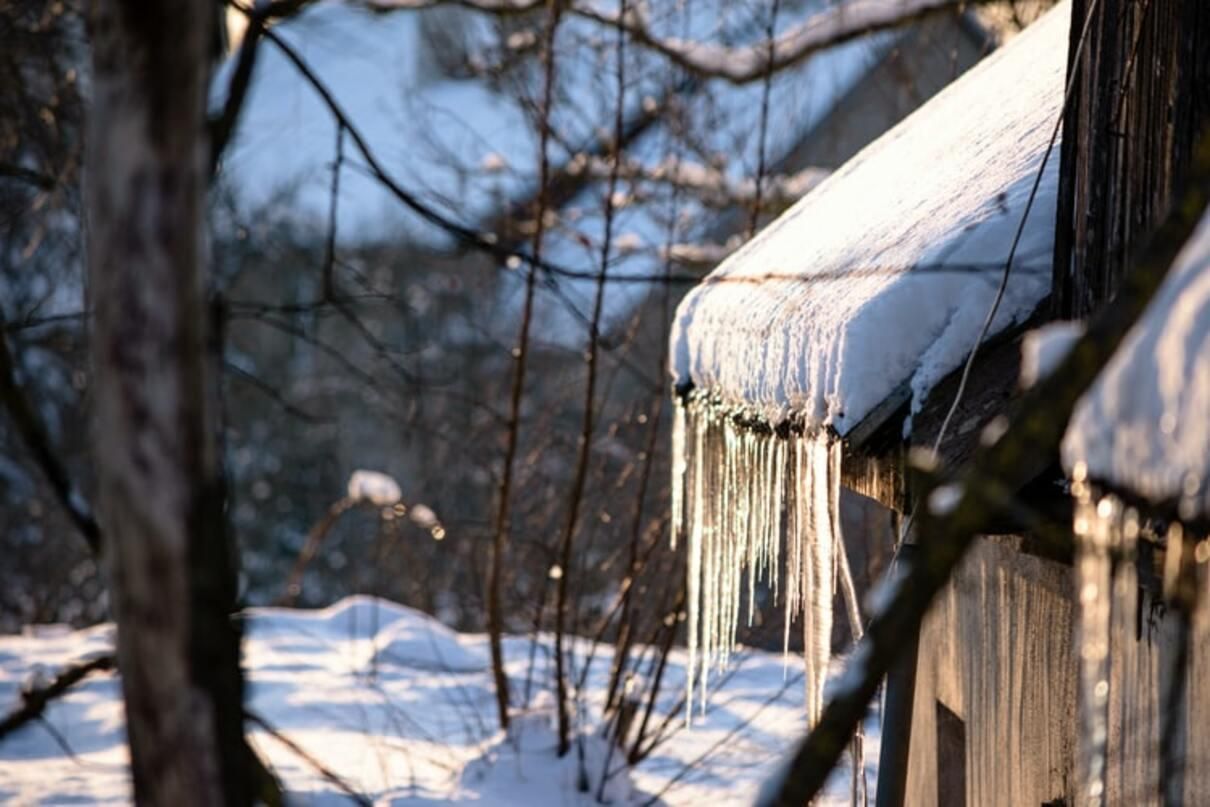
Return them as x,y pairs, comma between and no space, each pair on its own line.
1140,99
897,708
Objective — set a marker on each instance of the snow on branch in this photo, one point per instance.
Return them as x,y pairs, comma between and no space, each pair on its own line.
373,487
710,185
699,255
739,64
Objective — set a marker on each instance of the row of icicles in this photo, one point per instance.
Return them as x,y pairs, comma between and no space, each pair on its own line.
738,487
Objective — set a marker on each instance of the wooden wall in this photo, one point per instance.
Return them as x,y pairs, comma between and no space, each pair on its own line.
1140,100
998,653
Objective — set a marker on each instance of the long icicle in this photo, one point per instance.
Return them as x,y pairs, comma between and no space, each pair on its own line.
679,466
796,525
817,632
693,582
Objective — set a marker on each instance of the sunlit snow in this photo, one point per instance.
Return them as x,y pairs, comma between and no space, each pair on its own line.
885,273
1144,426
881,276
402,709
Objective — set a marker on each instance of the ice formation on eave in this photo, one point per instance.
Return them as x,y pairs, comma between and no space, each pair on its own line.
1144,425
885,272
737,488
864,285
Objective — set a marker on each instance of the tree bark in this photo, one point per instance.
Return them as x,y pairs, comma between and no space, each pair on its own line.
160,491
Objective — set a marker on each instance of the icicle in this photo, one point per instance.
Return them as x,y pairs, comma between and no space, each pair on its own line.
817,607
796,525
733,478
678,470
693,583
1104,535
755,523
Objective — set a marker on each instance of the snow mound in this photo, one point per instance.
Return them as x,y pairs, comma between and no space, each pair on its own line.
525,771
370,632
394,704
356,617
885,273
429,645
1144,425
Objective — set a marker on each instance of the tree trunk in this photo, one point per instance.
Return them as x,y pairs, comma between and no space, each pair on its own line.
160,491
1140,101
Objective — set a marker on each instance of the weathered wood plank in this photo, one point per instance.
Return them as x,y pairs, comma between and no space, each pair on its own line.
1140,99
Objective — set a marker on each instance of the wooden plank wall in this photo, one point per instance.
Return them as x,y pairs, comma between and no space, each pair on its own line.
998,651
1140,100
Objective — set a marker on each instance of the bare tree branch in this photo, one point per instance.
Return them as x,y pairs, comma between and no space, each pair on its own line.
495,617
588,424
309,758
29,176
33,433
35,700
223,126
740,64
710,185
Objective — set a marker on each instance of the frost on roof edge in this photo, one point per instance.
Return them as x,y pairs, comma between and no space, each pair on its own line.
884,274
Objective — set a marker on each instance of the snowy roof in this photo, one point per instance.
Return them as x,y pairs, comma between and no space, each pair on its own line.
467,145
1144,425
468,149
426,129
883,275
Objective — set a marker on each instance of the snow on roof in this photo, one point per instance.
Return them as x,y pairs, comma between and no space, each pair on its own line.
466,147
885,273
427,130
469,149
1144,425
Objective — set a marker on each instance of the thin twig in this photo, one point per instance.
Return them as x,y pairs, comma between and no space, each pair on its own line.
588,422
323,770
495,618
1012,252
37,441
763,128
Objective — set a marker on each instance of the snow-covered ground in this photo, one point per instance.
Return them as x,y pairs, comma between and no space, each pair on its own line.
401,709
